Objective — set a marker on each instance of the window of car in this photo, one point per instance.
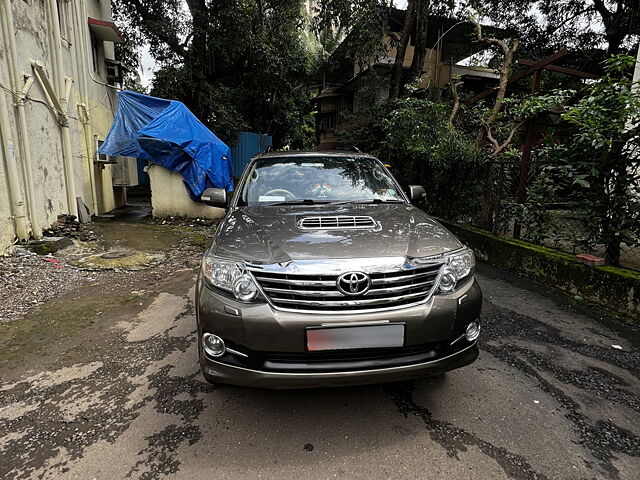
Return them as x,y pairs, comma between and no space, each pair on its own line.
305,180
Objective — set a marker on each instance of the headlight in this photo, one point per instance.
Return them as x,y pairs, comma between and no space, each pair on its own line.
462,263
457,267
229,276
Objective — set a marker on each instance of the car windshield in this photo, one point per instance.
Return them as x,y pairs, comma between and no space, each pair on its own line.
311,180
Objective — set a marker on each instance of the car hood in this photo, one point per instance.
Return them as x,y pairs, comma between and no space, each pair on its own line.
271,234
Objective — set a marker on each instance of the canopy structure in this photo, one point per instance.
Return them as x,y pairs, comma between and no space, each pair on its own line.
167,133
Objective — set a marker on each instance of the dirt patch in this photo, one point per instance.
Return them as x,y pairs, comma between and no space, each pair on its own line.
138,236
28,280
119,259
42,329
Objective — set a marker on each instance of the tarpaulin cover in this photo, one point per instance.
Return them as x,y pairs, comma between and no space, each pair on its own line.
167,133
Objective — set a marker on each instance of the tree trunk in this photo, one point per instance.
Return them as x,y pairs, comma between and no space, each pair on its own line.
612,252
614,42
420,50
396,73
486,220
198,58
486,214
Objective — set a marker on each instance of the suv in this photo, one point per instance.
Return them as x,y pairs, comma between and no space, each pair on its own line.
322,273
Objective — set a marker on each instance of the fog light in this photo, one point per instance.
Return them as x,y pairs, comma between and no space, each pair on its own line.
448,281
213,345
473,331
244,288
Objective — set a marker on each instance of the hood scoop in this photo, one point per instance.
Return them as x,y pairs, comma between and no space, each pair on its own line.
338,222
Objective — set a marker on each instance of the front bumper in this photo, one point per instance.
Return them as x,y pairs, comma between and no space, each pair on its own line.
263,333
223,373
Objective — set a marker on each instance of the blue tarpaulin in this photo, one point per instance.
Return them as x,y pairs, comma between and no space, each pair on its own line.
167,133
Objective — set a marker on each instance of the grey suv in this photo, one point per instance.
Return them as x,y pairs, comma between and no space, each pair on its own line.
323,273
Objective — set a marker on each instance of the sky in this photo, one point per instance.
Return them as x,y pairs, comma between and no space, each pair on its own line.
147,66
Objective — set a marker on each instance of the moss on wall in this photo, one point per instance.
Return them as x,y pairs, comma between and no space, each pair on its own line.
612,287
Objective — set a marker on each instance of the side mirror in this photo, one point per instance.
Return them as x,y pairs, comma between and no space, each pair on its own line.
214,197
417,192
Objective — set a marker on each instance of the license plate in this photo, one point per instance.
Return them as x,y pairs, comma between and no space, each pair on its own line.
343,338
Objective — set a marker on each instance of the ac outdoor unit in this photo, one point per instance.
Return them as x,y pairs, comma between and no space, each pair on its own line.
124,172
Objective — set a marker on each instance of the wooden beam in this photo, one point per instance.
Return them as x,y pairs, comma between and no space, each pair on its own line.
525,159
521,74
568,71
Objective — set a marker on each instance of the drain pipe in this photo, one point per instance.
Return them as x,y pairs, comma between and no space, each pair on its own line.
8,151
59,82
86,125
20,92
27,163
83,110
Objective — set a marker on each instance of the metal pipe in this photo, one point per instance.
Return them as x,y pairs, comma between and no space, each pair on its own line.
59,82
51,101
27,163
20,93
8,151
83,110
86,126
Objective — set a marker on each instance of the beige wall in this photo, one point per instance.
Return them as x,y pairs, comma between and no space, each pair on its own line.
441,76
34,42
169,197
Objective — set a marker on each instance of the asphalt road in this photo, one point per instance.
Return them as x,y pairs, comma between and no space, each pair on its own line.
549,397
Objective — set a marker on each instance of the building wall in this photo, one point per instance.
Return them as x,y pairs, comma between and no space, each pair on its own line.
34,42
169,197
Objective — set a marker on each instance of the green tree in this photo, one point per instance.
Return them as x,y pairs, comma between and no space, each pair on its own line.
416,137
237,64
549,25
599,166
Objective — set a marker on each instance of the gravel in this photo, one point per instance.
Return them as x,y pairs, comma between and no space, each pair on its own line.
28,279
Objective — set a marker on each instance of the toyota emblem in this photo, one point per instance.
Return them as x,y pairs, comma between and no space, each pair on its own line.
353,283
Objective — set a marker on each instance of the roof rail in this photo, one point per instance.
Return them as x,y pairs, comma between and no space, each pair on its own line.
350,148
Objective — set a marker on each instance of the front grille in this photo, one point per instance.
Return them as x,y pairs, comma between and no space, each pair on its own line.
363,354
336,360
319,293
336,222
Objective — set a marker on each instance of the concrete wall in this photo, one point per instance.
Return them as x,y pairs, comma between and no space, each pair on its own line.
169,197
611,287
35,42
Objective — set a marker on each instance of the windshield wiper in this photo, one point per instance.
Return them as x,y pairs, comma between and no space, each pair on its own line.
379,200
361,202
300,201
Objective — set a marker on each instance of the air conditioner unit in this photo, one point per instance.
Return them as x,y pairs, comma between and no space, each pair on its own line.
115,71
100,158
124,172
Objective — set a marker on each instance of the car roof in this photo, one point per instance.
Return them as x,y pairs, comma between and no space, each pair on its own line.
320,153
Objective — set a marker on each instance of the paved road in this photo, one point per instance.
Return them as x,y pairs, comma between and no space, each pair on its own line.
549,397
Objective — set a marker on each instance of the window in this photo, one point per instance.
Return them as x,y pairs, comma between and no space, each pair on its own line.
95,53
328,121
63,18
101,156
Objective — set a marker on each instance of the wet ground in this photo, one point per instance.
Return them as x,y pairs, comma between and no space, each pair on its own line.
102,382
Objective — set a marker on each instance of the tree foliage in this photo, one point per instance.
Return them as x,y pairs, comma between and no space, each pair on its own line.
237,64
415,137
546,26
598,168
